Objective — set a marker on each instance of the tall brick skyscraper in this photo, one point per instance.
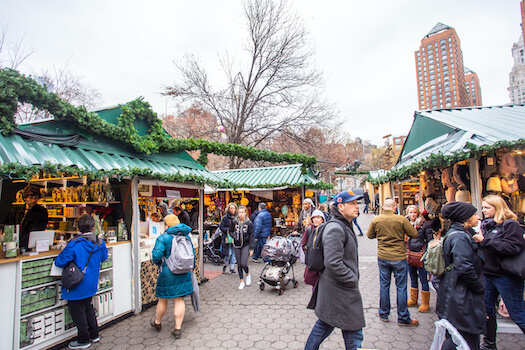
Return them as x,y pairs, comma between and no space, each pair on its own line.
517,74
440,72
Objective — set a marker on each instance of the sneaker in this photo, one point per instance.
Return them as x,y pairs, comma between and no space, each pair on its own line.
384,319
241,286
248,280
95,340
224,269
411,323
233,272
76,345
254,260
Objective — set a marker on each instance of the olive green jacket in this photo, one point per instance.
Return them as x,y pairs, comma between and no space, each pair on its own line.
390,230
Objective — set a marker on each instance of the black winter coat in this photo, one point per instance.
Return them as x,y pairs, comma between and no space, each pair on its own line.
241,232
460,297
34,220
500,240
424,235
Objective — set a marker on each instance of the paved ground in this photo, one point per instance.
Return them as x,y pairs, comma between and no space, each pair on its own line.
254,319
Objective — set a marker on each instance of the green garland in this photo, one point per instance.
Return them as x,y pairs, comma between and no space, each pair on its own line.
351,172
15,87
444,161
18,171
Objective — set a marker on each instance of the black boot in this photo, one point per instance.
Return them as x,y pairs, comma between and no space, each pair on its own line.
489,339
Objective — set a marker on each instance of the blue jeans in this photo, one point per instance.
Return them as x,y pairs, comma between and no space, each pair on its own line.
511,291
355,223
229,259
365,211
414,273
321,330
399,268
259,244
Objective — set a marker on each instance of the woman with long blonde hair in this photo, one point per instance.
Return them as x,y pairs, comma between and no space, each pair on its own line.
418,244
501,236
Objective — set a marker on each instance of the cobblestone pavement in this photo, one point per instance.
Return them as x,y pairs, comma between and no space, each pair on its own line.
255,319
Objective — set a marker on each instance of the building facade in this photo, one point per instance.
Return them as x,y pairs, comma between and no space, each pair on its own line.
440,71
517,74
473,87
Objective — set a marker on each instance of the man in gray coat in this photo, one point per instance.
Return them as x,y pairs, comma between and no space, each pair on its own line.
336,297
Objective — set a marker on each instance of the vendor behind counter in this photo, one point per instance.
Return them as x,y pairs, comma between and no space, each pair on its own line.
30,217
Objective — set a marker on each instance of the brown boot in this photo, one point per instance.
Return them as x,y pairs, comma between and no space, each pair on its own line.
425,301
414,292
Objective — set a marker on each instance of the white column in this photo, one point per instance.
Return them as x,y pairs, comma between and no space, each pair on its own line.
475,184
135,245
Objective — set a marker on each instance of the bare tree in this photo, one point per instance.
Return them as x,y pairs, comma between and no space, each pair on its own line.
67,86
276,88
12,54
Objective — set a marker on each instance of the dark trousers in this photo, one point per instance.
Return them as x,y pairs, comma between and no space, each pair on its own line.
83,315
260,242
471,339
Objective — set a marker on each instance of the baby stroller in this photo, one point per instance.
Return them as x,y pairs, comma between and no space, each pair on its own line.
280,254
211,253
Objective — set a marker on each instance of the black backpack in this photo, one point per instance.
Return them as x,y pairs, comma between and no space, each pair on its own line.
314,255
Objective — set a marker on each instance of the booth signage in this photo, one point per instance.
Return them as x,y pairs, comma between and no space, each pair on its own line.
173,194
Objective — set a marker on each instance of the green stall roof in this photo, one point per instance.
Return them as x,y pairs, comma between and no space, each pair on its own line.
276,176
61,143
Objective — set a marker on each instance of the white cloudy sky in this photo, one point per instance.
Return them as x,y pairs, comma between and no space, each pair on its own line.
126,49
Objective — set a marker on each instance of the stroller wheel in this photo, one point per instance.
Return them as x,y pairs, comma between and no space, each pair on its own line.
295,284
217,260
204,259
261,286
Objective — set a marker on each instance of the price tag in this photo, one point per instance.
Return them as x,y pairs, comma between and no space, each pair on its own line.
42,246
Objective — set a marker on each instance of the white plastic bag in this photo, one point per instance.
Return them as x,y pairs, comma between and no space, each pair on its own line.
442,326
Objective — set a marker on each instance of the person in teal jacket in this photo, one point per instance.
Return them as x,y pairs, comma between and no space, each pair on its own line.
169,285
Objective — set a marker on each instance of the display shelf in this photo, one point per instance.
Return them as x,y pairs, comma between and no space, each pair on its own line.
40,286
69,333
41,311
109,289
69,203
63,217
106,269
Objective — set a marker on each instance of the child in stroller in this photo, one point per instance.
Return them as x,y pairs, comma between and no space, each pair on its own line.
280,254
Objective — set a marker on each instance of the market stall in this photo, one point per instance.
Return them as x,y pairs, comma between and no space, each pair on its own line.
283,188
464,154
79,172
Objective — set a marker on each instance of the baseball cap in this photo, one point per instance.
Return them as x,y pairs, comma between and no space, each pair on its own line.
346,196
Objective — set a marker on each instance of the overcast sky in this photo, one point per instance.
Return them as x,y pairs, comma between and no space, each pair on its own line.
126,49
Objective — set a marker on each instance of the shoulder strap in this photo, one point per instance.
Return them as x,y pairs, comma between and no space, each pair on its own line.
91,252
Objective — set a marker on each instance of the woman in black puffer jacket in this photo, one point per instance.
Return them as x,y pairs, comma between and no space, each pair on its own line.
501,236
461,290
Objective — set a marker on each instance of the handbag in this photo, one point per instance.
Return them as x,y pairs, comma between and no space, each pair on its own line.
414,258
228,239
72,275
513,265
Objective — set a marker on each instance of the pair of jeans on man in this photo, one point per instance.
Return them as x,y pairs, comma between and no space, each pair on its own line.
259,245
321,330
399,269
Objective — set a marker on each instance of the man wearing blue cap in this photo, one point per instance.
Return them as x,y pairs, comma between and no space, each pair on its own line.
336,298
390,230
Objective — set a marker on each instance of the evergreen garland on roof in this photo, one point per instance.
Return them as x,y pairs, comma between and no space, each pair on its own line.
15,87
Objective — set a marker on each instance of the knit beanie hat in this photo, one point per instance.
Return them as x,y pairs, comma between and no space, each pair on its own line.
318,212
494,184
508,164
450,194
171,220
458,211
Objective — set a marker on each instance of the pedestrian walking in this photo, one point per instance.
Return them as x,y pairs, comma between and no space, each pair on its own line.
419,244
87,251
242,231
170,285
318,218
366,198
461,289
377,206
390,230
262,229
357,225
226,238
501,237
336,298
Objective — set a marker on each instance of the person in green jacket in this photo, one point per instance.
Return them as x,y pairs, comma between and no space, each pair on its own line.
390,230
